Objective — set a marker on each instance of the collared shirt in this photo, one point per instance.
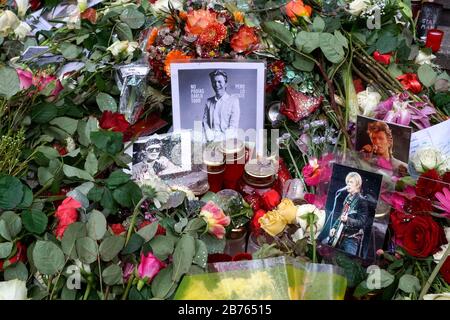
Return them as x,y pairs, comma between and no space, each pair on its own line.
221,116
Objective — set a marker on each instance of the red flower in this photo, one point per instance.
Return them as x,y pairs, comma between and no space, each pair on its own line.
420,235
445,270
89,14
282,176
418,206
317,171
21,255
213,35
42,81
382,58
161,230
270,199
410,81
117,228
244,40
428,184
359,87
219,257
198,21
62,150
446,177
297,105
254,224
115,121
242,256
296,9
254,200
66,214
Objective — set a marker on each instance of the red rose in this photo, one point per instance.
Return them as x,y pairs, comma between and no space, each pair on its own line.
242,256
254,201
66,214
428,184
117,228
245,39
255,225
161,230
446,177
445,270
62,150
21,255
358,84
35,4
270,199
382,58
115,121
219,257
89,14
418,206
420,235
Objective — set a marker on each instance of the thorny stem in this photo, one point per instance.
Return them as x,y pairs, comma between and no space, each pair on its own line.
127,289
136,211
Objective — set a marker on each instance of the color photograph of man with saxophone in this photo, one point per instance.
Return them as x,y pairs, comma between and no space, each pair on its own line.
350,207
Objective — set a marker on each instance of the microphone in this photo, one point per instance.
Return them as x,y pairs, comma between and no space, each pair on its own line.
341,189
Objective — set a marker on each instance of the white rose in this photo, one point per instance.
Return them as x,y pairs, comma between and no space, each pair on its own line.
120,47
22,30
305,209
437,296
423,58
22,7
8,22
445,165
356,7
427,159
367,102
298,235
131,47
13,290
161,6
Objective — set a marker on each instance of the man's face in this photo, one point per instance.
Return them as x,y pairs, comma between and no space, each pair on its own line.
352,186
380,142
219,85
153,153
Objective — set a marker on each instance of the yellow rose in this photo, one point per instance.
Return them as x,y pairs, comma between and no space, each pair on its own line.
272,222
288,210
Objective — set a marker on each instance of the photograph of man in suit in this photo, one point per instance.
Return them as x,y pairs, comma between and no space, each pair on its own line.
222,111
348,230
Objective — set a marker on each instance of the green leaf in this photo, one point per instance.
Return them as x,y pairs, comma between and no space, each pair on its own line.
133,18
318,24
307,41
427,75
331,48
67,124
112,275
162,246
91,164
70,171
201,253
84,130
13,223
135,243
11,192
4,232
387,42
108,141
87,250
96,193
73,232
128,195
110,247
43,113
149,231
27,199
394,70
106,103
278,31
48,152
117,178
9,82
124,32
96,225
409,283
163,283
183,256
18,271
302,64
213,244
341,39
34,221
69,50
5,249
361,290
48,257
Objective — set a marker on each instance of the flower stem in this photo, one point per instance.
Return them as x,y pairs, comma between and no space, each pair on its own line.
87,292
127,289
433,275
133,219
312,236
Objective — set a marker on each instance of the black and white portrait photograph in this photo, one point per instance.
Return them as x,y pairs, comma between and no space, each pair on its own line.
352,200
219,100
161,155
383,144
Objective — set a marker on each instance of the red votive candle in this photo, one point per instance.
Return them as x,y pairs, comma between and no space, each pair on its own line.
434,39
214,161
234,151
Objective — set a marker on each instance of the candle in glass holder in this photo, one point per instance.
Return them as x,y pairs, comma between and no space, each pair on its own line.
214,162
434,39
259,177
234,152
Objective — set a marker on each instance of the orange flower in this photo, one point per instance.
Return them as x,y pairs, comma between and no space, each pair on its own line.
174,56
296,8
245,39
171,22
151,38
89,14
213,35
238,16
198,21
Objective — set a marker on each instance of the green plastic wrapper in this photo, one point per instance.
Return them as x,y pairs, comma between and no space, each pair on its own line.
280,278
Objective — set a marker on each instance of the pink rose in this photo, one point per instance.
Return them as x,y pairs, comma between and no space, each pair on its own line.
215,219
25,78
149,266
42,81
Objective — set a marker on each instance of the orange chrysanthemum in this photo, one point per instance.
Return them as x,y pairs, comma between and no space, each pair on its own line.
296,8
213,35
198,21
238,16
244,40
151,38
174,56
